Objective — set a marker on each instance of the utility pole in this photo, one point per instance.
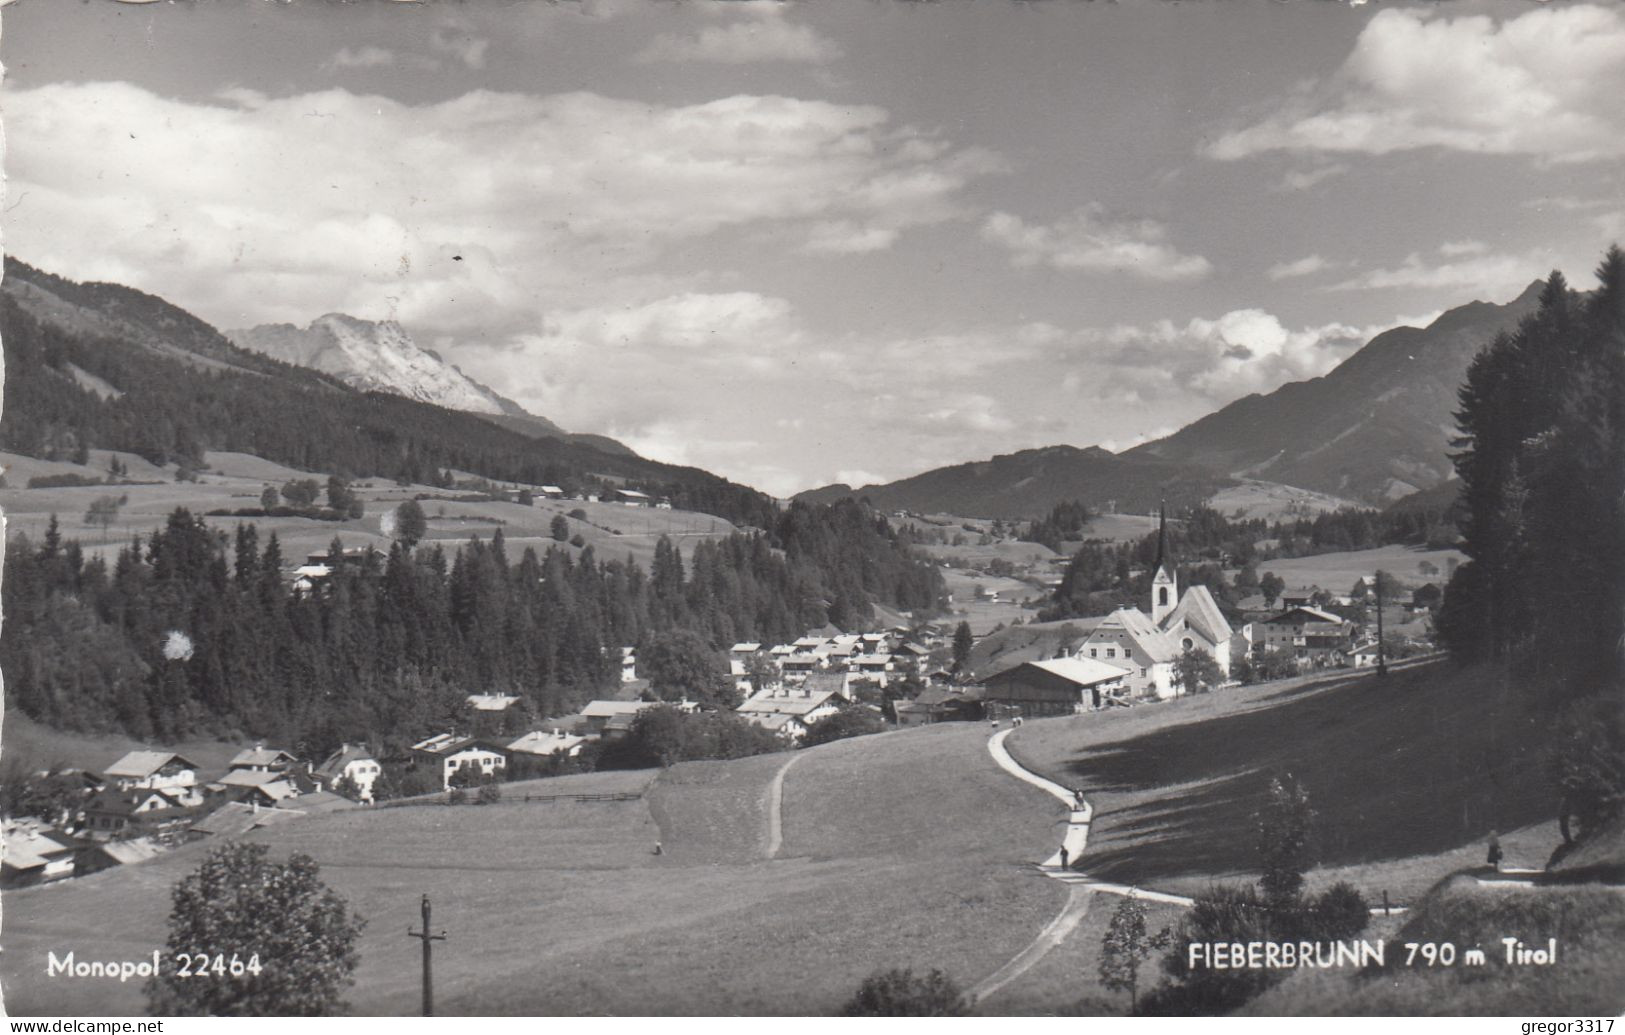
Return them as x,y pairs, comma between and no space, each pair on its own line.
428,965
1382,652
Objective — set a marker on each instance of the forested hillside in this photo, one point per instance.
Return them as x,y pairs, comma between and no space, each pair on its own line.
195,630
172,387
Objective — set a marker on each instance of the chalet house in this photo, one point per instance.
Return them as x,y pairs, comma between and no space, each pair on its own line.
552,492
157,771
1299,596
632,498
36,854
234,819
1060,686
1308,634
790,710
93,858
261,759
1147,645
874,666
1363,656
596,714
256,786
449,754
353,761
135,813
544,743
940,704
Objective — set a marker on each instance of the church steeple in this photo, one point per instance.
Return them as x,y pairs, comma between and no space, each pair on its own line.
1164,585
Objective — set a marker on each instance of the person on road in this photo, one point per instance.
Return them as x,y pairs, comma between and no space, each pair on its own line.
1494,858
1064,856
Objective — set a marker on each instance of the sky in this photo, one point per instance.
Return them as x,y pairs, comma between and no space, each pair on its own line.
850,240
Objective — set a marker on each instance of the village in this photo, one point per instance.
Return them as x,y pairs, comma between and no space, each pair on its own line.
75,820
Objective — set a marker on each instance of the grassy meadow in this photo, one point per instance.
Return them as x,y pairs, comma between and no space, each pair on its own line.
1409,776
901,850
235,480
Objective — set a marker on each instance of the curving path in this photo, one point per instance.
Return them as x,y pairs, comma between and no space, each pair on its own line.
775,807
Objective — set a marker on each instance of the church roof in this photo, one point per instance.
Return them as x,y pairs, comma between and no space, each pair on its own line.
1162,539
1198,610
1140,629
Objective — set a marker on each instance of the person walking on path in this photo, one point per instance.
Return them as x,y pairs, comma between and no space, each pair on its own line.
1494,858
1064,856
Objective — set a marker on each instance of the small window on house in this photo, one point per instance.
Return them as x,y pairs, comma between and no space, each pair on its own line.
1162,595
1142,673
1093,653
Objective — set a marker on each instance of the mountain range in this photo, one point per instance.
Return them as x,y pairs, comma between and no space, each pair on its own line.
1376,429
98,365
380,356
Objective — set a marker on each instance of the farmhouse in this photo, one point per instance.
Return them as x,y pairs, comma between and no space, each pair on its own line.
118,814
450,754
261,759
36,855
1308,634
352,761
157,771
939,704
1060,686
542,743
632,498
790,710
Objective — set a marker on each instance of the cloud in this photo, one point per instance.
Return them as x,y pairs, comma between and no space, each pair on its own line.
1309,264
765,38
361,57
570,195
460,44
1091,240
1491,276
1219,359
1303,179
1457,248
1545,83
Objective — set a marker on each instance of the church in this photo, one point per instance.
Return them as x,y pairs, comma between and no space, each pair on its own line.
1148,645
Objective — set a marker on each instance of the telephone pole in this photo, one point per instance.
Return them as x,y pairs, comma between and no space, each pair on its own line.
428,966
1382,651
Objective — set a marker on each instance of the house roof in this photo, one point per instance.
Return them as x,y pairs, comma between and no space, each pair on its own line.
553,490
491,702
1314,614
633,493
772,721
746,648
259,754
139,765
1140,630
911,648
250,778
1081,671
606,709
440,743
939,695
817,682
133,851
1197,609
337,762
545,742
796,705
234,818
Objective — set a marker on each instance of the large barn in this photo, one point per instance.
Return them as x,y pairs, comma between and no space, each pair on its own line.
1060,686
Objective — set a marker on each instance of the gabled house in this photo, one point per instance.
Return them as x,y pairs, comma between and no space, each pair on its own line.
260,758
449,754
256,786
940,704
352,761
152,770
1309,634
543,743
134,813
1059,686
790,710
36,854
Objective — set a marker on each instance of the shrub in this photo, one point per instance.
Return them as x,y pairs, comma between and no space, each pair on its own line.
850,721
457,796
62,481
489,794
898,993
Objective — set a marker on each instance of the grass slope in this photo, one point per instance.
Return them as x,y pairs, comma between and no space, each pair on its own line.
1336,572
906,849
1409,776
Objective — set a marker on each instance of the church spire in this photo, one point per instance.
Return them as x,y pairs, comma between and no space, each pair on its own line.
1162,537
1164,584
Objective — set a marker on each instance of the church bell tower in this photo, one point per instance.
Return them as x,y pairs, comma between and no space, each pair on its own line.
1164,587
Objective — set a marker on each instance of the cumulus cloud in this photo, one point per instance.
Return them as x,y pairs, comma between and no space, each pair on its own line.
460,44
458,215
1303,179
766,38
1306,266
1545,83
1221,359
1093,241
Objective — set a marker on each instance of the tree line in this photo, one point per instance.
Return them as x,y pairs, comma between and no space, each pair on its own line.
193,630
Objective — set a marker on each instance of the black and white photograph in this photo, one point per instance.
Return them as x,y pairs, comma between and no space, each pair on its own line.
1060,509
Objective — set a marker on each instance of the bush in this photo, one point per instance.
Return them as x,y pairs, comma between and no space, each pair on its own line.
489,794
457,796
62,481
1338,912
851,721
898,993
